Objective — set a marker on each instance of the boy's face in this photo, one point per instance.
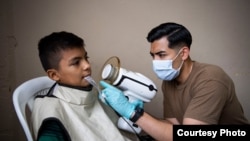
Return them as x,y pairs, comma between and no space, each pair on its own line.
73,67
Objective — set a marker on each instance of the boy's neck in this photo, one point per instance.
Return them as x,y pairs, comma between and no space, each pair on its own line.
88,88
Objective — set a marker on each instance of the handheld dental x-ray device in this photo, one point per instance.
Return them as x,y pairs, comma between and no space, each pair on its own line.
134,85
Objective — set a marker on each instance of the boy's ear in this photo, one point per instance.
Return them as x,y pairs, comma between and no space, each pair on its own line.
53,74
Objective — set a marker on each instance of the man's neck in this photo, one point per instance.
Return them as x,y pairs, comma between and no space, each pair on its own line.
185,71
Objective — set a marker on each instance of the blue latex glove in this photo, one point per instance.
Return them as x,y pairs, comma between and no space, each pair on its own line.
118,101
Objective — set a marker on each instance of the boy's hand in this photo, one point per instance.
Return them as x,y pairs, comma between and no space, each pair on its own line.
117,100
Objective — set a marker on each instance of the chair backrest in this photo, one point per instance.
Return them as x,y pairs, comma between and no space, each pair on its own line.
24,96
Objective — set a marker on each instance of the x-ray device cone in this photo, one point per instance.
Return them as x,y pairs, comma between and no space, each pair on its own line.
133,84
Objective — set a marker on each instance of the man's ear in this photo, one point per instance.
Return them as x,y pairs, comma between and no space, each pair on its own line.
185,53
53,74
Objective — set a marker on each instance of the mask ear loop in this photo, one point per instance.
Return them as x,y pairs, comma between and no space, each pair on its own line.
181,65
177,56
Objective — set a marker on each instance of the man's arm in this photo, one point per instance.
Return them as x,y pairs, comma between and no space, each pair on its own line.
191,121
160,130
186,121
173,121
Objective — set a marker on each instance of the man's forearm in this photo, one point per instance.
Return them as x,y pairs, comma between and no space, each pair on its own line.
158,129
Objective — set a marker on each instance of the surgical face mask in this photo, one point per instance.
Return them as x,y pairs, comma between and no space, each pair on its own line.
164,69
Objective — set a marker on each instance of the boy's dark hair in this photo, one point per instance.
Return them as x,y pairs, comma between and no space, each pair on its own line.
176,34
50,47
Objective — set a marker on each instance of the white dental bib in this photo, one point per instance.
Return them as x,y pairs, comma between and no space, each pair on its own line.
81,114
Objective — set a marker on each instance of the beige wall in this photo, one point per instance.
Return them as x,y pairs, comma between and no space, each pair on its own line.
8,119
220,30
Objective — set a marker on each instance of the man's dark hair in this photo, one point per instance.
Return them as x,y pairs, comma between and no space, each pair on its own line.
50,47
176,34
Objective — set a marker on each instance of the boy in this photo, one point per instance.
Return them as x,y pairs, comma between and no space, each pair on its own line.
70,110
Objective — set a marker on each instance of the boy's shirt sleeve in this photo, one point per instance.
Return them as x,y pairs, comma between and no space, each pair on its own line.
52,130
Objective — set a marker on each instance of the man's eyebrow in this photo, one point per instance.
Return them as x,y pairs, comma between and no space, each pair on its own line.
157,53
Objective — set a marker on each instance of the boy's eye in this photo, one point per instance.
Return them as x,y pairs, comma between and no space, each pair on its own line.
76,62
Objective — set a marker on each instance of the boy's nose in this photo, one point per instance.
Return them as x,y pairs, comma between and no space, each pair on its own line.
85,65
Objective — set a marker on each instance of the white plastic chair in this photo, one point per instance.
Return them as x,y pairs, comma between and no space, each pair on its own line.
24,96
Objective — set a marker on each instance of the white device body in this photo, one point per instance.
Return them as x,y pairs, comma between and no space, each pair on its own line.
135,86
126,124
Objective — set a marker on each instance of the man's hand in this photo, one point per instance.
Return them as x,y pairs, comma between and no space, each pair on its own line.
118,101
